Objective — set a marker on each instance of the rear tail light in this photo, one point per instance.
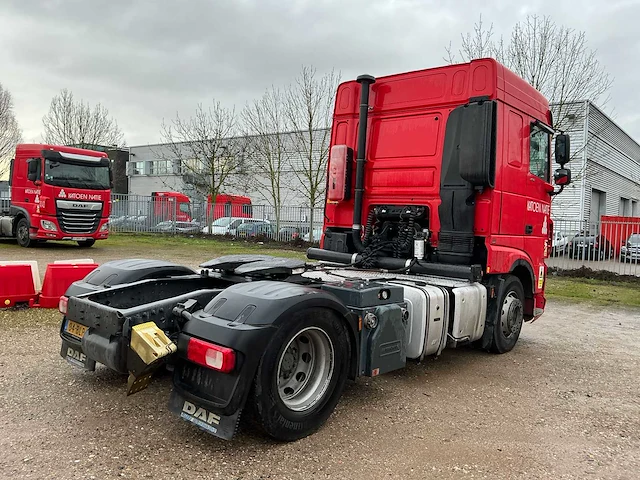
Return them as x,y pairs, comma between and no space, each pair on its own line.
211,355
63,304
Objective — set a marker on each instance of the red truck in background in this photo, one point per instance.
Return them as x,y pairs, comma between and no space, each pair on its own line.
177,206
58,193
229,206
171,206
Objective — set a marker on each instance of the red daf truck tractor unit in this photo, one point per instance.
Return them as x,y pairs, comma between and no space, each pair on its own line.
58,193
437,225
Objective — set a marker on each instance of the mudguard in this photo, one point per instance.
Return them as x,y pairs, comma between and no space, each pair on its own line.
243,317
119,272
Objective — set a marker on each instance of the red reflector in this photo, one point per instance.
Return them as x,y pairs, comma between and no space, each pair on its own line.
211,355
63,304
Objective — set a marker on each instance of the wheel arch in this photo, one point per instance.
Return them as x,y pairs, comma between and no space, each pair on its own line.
19,213
524,272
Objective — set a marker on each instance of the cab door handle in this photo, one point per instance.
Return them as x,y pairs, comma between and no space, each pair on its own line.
528,229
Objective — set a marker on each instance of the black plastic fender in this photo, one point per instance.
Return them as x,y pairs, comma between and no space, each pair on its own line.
119,272
244,317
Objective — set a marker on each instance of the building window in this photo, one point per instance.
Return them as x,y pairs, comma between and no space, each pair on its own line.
539,153
163,167
635,211
138,168
624,209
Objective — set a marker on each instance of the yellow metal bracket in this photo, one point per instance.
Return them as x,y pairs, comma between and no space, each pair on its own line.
149,344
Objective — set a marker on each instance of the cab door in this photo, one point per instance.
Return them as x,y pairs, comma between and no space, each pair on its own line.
538,189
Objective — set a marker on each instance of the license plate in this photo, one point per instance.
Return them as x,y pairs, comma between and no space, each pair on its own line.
75,329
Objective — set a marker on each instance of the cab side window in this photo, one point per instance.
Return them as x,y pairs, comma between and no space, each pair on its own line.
539,153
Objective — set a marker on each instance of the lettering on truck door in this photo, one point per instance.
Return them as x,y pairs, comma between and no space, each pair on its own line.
538,211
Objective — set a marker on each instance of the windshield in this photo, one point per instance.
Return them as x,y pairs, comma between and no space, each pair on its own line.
221,222
91,177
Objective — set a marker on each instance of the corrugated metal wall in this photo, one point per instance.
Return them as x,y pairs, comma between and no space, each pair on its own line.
568,204
613,164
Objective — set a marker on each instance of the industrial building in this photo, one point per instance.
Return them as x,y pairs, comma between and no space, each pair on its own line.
605,167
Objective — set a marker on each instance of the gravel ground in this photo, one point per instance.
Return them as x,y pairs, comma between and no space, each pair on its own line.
565,403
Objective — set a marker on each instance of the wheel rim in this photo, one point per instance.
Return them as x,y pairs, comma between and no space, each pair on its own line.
511,315
23,234
305,369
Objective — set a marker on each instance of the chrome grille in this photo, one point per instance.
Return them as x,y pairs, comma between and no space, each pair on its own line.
78,221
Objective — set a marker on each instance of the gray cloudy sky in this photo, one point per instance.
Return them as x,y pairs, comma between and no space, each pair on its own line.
145,60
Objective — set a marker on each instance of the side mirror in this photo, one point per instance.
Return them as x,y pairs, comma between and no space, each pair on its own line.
563,149
562,177
34,169
110,178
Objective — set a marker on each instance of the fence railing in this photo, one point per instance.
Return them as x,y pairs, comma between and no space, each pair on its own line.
137,213
611,245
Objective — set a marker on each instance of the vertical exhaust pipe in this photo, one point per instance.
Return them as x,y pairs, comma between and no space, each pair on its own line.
365,81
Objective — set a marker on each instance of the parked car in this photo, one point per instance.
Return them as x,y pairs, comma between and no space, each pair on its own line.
246,230
559,244
228,225
289,233
177,227
589,246
630,251
317,233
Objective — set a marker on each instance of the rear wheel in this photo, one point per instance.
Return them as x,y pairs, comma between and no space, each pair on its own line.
301,375
508,316
86,243
22,233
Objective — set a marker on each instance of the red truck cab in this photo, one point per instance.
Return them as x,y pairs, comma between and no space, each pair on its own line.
229,206
171,206
458,154
58,193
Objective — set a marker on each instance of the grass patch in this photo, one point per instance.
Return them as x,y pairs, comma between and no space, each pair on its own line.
595,291
212,246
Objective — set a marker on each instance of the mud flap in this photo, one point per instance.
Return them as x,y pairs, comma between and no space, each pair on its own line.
222,426
495,289
75,356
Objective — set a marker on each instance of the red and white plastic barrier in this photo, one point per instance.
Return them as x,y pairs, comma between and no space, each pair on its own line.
20,281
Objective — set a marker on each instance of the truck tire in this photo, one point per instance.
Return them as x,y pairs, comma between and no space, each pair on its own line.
508,315
301,375
22,233
86,243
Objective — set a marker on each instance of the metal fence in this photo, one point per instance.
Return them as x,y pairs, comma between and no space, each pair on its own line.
138,213
607,245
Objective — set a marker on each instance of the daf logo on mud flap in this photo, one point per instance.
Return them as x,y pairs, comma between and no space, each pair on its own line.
200,413
76,355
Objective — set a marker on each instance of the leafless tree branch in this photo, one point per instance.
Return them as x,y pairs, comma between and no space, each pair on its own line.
309,110
10,133
205,146
554,59
265,123
71,122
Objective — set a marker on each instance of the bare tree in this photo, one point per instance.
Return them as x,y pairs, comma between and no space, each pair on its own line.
205,147
309,108
10,133
71,122
554,59
265,122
